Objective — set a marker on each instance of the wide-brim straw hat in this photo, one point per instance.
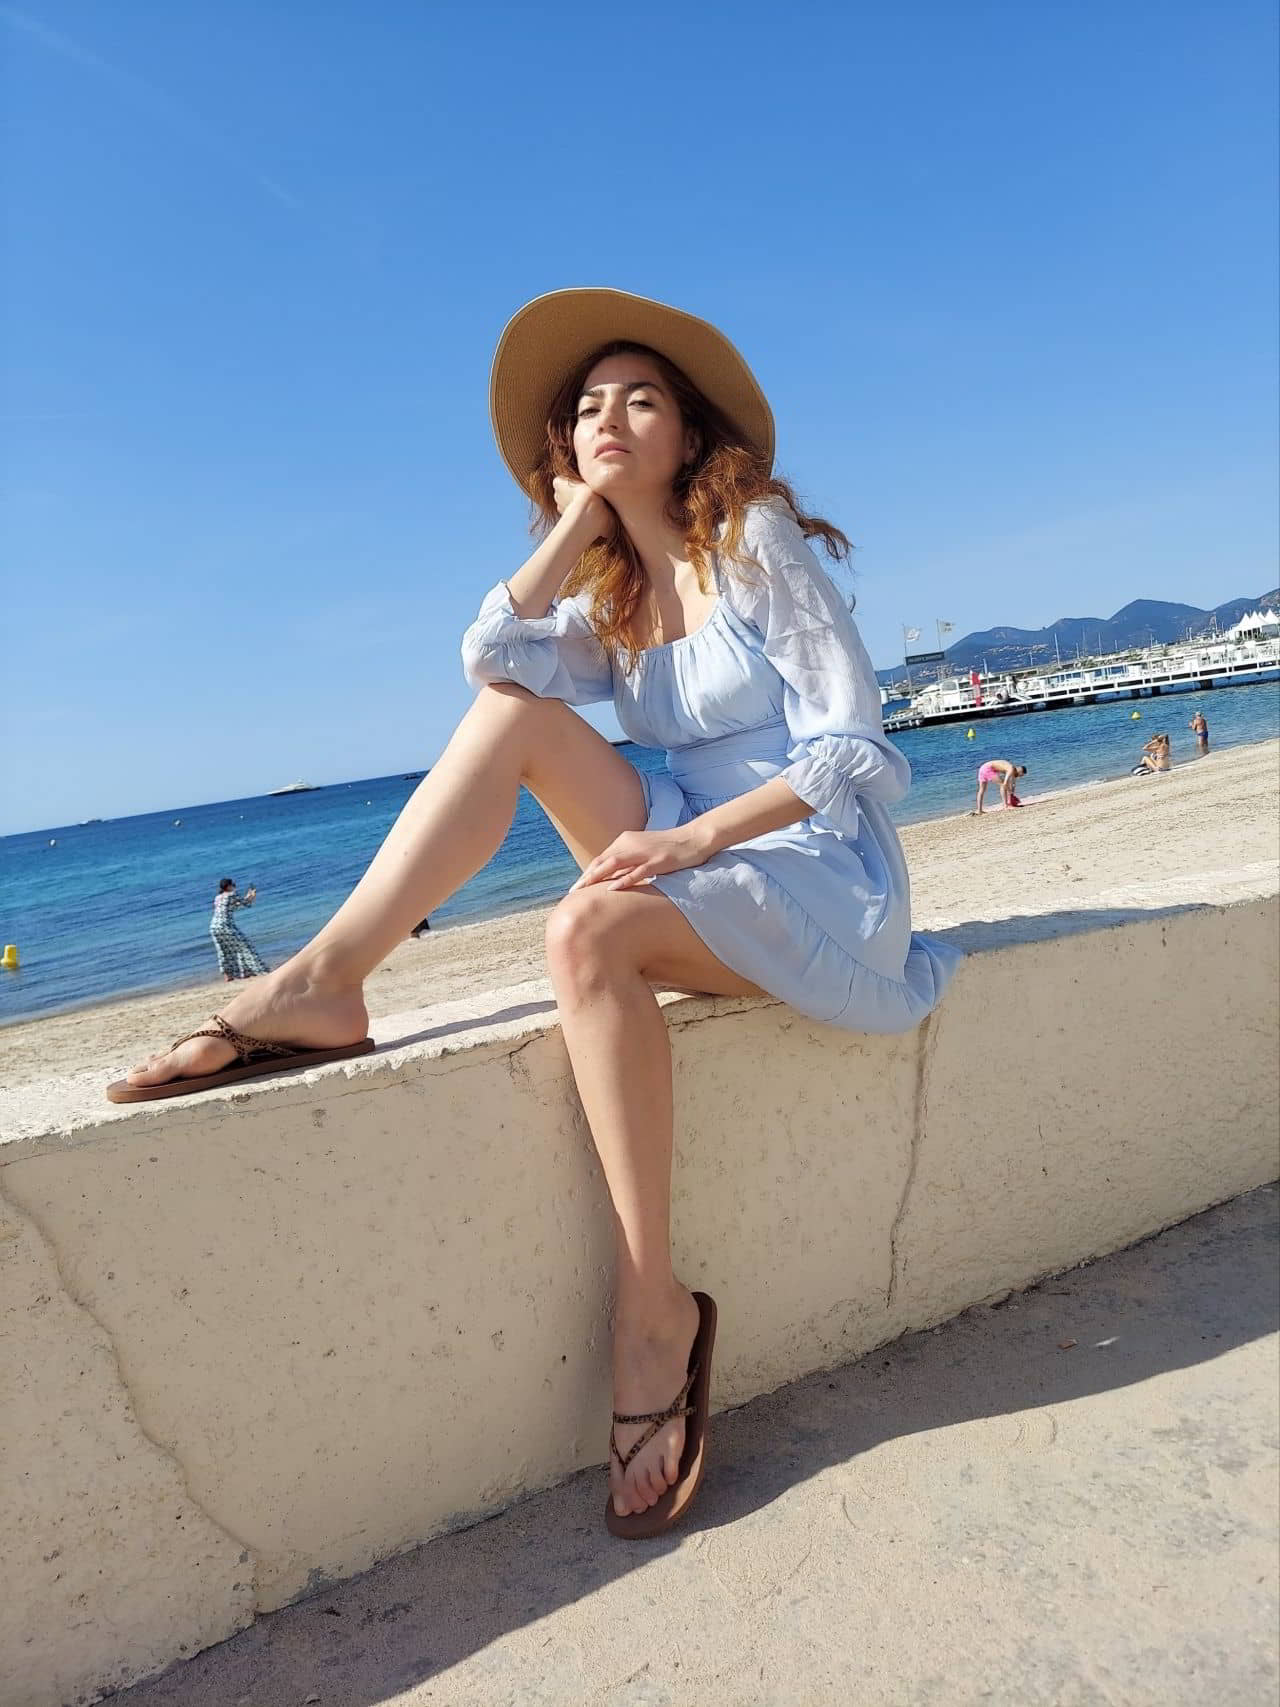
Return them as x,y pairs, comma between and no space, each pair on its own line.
546,340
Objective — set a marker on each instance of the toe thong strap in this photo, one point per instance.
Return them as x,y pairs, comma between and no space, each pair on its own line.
655,1420
245,1047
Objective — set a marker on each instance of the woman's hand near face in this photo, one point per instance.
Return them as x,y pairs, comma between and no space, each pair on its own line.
575,497
584,518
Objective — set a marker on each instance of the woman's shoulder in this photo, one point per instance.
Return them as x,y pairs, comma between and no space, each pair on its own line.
777,583
769,523
775,557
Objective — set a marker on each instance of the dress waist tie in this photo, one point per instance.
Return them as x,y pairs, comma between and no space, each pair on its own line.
729,765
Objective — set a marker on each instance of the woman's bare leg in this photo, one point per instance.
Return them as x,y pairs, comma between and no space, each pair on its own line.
605,950
451,826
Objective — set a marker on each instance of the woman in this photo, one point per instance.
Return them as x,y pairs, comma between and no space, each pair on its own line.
673,577
1004,773
237,957
1157,755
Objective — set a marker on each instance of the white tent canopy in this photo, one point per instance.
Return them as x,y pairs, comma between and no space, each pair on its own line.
1265,622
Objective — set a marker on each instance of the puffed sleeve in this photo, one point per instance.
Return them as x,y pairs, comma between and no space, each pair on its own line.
831,700
556,656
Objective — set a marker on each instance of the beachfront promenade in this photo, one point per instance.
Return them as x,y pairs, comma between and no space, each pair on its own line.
266,1338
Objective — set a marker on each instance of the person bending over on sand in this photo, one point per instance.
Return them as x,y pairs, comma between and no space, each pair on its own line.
1157,755
237,957
1199,726
675,579
1003,773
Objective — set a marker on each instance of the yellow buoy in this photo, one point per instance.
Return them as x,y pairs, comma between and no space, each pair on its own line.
9,959
969,735
1134,716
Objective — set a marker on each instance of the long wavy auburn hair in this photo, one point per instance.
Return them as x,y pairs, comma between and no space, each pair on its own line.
708,501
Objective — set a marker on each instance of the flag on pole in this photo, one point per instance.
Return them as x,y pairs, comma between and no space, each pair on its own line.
910,634
945,627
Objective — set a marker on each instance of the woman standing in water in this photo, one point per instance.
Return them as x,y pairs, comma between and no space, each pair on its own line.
674,578
237,957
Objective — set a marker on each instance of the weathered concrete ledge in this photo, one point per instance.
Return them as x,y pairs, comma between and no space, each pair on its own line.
254,1342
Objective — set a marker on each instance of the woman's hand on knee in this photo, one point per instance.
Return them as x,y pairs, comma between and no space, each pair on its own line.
638,856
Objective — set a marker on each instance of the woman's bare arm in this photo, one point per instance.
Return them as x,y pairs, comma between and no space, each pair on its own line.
535,584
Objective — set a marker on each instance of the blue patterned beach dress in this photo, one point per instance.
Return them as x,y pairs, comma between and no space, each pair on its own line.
237,957
776,682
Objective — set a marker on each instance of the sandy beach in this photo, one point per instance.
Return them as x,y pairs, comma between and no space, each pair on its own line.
1141,842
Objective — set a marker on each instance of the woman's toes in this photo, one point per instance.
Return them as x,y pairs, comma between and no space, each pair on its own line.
153,1072
647,1491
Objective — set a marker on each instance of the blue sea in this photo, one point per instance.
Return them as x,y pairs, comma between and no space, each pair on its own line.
100,911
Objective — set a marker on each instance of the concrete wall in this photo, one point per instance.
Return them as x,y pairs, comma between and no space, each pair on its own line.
258,1340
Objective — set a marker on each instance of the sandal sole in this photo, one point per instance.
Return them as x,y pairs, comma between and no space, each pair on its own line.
666,1512
122,1091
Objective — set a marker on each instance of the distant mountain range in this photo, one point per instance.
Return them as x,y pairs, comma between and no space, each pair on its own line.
1141,623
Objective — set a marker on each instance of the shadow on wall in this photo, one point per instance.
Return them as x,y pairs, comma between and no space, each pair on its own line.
975,935
503,1016
1182,1298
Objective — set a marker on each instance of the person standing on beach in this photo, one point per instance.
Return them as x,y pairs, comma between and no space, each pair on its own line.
237,957
1199,726
675,579
1004,773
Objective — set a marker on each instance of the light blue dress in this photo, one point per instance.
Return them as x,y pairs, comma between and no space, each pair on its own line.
775,683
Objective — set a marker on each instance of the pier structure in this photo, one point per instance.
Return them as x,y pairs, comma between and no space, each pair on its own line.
955,699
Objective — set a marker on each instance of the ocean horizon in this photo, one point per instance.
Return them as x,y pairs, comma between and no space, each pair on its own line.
101,911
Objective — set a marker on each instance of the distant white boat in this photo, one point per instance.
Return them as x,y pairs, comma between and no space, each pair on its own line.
295,788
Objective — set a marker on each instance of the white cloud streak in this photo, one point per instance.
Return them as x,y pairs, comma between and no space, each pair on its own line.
144,97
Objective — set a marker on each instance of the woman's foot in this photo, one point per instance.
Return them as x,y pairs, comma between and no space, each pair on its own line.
286,1006
650,1366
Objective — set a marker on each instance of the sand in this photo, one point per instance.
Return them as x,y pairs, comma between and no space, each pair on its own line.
1140,842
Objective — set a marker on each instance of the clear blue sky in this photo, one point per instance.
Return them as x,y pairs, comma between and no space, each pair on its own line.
1006,271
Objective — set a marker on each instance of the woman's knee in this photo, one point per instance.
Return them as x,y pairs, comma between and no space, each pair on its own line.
504,699
503,711
584,936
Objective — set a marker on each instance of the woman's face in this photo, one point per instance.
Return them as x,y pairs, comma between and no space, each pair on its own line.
628,436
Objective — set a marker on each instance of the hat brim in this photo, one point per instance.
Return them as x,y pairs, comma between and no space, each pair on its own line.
545,341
